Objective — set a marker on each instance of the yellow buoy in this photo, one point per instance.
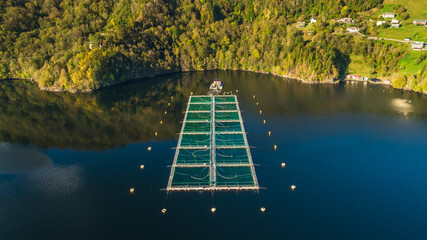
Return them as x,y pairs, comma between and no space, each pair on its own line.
166,112
169,104
263,209
149,148
171,97
260,112
293,187
161,122
269,133
237,90
254,96
275,147
191,93
213,210
283,164
132,190
164,210
264,121
155,134
257,103
142,166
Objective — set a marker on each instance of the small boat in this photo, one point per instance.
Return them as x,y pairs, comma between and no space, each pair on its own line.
217,85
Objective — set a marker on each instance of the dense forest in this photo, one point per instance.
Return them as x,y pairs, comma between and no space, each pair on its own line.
81,45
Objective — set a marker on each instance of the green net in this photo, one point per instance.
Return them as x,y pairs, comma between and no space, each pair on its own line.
194,156
229,140
190,177
228,127
222,99
234,176
226,116
191,127
198,116
225,107
195,140
199,107
201,99
231,155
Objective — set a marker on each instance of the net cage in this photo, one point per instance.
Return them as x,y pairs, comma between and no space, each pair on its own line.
232,176
230,140
225,107
195,140
193,127
194,156
199,107
228,127
198,116
190,177
201,99
227,116
231,156
225,99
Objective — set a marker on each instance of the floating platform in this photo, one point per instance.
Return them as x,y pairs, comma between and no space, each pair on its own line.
213,151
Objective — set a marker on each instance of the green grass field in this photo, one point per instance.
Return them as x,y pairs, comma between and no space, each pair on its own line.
416,33
408,65
359,66
417,9
387,8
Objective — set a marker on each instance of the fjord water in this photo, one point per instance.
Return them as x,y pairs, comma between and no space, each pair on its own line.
356,153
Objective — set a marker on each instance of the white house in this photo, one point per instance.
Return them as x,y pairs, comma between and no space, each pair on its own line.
417,45
379,23
313,20
389,15
395,23
300,24
353,29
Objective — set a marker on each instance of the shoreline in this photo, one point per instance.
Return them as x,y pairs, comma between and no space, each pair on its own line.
163,73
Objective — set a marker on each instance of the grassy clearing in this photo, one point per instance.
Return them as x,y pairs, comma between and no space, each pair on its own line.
359,66
387,8
417,9
416,33
408,63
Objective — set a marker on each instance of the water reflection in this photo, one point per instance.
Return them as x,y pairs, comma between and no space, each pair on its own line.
57,181
132,112
15,159
403,106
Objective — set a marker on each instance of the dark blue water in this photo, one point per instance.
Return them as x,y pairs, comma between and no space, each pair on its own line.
355,152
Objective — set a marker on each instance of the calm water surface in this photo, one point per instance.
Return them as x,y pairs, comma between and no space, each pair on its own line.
356,153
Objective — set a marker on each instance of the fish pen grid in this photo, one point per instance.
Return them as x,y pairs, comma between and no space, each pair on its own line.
212,152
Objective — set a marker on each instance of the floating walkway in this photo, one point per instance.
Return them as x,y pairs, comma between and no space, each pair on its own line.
213,151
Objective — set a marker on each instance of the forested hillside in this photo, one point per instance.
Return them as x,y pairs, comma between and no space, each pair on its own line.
81,45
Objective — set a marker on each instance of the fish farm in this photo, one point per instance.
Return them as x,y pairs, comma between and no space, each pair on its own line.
213,151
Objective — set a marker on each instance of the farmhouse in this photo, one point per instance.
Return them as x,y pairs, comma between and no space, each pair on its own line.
420,22
388,15
345,20
300,24
313,20
353,29
379,23
417,46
